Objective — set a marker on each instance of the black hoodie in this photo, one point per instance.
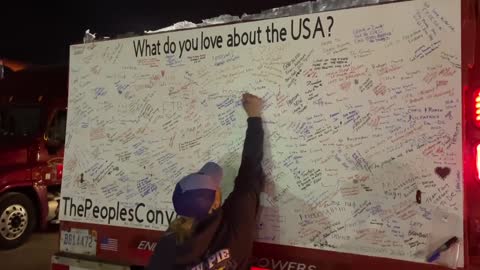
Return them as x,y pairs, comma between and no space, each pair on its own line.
224,240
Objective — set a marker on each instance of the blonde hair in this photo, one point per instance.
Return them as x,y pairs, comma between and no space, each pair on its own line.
182,227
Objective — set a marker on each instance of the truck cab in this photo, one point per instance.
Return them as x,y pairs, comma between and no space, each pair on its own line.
32,134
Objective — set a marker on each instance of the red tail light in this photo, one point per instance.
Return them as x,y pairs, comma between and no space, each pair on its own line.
477,157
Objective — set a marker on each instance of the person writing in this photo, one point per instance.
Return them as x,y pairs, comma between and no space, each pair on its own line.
207,235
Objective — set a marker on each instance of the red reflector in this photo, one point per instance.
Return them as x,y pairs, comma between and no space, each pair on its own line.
59,171
56,266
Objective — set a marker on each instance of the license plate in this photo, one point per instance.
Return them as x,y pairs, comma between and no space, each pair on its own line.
79,242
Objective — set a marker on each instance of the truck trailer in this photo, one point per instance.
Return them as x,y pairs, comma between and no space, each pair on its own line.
372,119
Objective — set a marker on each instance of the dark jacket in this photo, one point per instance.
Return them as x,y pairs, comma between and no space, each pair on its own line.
223,240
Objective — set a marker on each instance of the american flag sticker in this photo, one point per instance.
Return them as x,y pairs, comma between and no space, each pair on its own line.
108,243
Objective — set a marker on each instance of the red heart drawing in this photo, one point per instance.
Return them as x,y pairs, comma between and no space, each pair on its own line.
442,172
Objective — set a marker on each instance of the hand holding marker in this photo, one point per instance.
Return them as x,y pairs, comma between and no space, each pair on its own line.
441,249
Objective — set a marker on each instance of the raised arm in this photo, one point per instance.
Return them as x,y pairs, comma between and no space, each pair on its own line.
250,175
244,198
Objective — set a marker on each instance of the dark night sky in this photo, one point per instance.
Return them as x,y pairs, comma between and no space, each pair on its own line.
39,32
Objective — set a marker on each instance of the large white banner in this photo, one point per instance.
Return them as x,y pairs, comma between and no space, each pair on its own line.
362,118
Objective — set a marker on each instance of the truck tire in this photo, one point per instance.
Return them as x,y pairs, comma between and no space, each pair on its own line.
17,219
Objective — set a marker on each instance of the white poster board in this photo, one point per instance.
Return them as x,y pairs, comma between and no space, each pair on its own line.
362,118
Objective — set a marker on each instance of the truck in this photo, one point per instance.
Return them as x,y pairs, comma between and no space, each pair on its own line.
33,105
145,110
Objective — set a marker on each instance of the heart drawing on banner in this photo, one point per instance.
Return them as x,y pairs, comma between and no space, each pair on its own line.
442,172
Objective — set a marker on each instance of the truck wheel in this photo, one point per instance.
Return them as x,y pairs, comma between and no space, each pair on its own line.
17,219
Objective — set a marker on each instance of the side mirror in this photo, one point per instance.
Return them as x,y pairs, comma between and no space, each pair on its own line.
52,146
54,136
